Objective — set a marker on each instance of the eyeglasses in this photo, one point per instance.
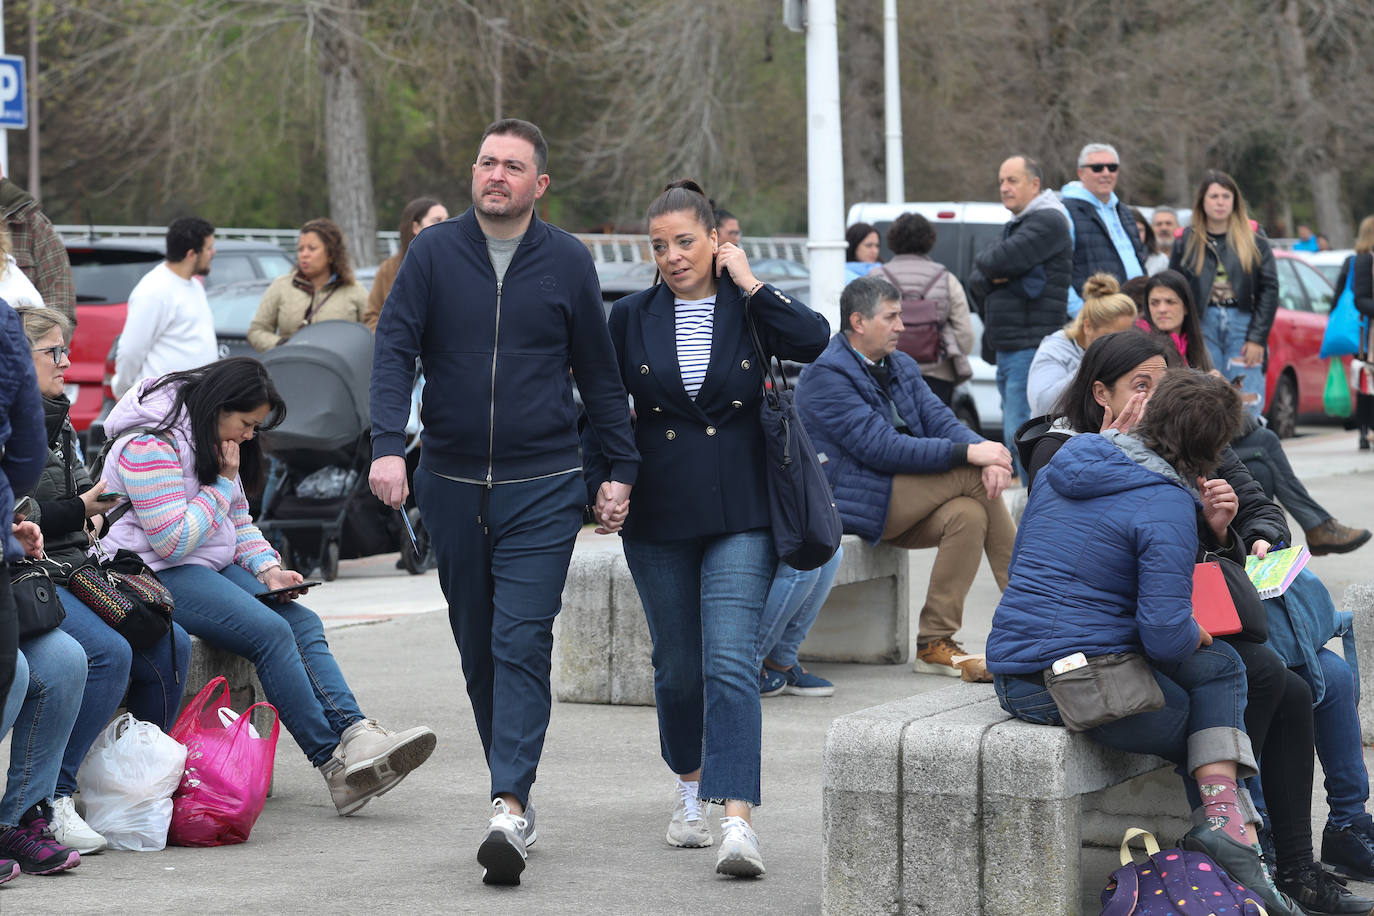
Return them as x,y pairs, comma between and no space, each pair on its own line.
58,353
1099,166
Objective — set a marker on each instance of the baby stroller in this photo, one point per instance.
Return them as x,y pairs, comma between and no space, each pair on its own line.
321,509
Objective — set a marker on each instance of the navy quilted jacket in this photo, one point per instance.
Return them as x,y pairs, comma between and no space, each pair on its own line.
1103,561
849,420
1093,249
23,439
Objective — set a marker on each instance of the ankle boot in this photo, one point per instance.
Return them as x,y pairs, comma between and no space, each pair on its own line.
1333,537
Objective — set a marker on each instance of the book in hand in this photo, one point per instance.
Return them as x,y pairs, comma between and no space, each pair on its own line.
1277,570
1213,607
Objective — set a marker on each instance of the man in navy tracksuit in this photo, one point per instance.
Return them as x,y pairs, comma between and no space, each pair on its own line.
499,306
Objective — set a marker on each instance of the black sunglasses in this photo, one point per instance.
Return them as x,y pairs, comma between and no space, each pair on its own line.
57,353
1099,166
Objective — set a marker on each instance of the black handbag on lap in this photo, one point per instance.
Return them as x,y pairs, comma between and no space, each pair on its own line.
806,525
35,598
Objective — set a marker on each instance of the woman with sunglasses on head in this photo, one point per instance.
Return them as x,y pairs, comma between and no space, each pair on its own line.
69,509
1230,268
697,533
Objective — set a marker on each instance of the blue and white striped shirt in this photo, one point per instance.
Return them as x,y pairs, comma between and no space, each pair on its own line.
694,320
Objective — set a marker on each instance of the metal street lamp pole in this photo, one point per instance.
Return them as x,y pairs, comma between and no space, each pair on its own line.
892,105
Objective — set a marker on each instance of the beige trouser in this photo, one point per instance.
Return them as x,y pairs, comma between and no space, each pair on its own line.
950,511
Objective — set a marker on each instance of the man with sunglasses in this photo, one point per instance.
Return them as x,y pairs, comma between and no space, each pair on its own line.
1105,238
169,326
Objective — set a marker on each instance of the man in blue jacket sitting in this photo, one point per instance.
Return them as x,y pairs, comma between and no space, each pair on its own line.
904,469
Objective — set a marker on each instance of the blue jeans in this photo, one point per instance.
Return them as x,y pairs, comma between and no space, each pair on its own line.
1013,368
154,690
504,585
50,673
794,601
1224,332
703,598
1336,722
1203,719
285,642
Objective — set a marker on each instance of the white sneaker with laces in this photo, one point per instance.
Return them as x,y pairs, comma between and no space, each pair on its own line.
502,853
739,849
70,830
688,828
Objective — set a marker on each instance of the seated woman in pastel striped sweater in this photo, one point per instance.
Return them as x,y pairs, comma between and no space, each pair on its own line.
182,444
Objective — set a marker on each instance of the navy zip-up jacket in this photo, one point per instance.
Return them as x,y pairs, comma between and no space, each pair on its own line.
498,403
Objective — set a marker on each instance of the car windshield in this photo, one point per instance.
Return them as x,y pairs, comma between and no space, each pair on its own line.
107,277
234,307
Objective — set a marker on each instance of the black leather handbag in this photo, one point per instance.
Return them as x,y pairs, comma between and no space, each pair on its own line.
1254,623
35,598
806,525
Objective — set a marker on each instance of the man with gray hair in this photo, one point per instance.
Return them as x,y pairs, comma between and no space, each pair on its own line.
1105,238
1164,222
903,469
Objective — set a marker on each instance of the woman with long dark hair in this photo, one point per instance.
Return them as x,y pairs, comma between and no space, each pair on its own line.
1231,270
419,213
861,250
185,445
697,533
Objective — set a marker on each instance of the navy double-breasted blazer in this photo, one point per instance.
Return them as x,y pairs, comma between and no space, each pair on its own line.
702,459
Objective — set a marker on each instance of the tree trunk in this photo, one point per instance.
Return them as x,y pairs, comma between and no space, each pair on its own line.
348,165
1314,130
861,75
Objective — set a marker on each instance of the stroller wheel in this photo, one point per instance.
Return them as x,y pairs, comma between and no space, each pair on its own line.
417,564
329,563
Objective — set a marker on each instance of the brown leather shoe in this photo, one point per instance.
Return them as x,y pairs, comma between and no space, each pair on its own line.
1333,537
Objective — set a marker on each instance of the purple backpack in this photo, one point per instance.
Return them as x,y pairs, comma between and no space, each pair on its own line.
1175,882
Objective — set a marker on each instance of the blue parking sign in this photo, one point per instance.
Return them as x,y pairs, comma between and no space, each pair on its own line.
14,102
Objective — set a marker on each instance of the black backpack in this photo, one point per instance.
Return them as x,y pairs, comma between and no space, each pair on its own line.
920,338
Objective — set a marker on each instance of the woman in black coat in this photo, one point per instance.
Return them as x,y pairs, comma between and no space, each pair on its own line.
1362,263
696,529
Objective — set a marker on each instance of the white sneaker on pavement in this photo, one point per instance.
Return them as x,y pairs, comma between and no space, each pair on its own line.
69,829
739,849
688,827
503,851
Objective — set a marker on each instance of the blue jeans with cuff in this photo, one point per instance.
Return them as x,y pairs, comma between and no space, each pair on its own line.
794,602
285,642
50,673
703,598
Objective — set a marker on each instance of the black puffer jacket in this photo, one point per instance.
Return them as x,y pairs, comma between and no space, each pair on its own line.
61,514
1034,258
1256,290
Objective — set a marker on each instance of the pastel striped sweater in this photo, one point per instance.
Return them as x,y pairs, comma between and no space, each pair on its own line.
175,524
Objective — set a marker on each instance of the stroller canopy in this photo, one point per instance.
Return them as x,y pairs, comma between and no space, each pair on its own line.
322,372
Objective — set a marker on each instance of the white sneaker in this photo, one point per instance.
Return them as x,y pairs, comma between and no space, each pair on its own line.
688,827
502,853
739,849
70,830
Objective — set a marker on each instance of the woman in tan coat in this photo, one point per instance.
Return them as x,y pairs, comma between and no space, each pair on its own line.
419,213
321,288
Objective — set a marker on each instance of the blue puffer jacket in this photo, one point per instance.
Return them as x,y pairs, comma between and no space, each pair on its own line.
1103,560
23,439
849,420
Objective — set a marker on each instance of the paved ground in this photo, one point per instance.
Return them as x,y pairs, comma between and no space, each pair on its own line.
603,793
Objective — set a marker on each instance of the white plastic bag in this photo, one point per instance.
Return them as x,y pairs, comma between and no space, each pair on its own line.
127,781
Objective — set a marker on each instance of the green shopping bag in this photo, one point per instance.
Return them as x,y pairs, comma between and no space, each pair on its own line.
1336,400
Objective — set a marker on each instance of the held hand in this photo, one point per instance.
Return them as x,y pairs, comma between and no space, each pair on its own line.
229,459
276,578
1219,505
1130,414
91,501
30,538
1203,637
612,506
995,480
1260,548
731,258
989,455
388,480
1252,353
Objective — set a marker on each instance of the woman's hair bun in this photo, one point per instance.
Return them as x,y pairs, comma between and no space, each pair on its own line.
1099,285
686,184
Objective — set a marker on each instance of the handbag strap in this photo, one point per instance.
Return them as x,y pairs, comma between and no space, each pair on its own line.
761,355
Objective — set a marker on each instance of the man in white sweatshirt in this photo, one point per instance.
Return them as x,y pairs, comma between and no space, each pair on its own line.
169,326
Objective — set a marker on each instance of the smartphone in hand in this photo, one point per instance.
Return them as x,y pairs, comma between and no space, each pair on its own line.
275,593
23,509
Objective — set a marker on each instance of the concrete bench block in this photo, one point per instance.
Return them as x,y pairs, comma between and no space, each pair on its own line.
867,617
208,663
631,660
1359,600
582,644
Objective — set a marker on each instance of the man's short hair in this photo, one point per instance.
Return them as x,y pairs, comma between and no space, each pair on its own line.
1162,209
911,233
723,214
186,235
1091,148
863,296
1032,166
514,127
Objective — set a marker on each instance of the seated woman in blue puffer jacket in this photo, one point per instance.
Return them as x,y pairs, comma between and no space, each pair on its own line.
1104,564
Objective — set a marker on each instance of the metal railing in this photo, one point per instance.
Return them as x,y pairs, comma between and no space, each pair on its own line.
606,249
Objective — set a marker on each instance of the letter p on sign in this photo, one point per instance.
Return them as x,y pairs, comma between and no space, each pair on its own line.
14,113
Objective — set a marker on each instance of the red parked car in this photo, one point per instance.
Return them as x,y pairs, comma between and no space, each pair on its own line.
104,272
1295,377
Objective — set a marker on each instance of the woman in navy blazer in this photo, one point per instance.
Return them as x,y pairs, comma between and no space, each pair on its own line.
696,528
